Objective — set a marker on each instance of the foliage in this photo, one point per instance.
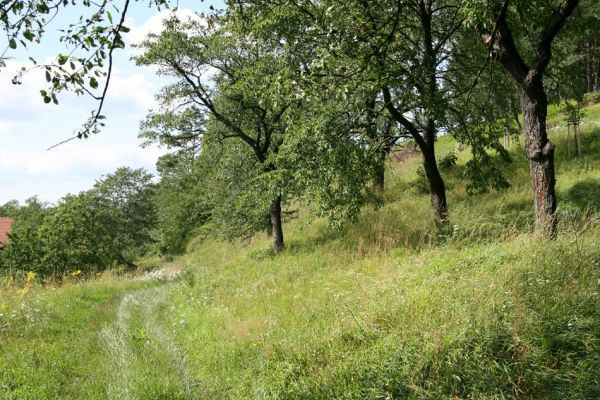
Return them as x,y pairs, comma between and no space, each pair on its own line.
9,209
90,42
126,197
448,161
107,226
25,248
421,184
572,113
76,236
181,201
482,173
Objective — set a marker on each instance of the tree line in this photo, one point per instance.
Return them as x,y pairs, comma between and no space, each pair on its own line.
316,94
109,225
275,104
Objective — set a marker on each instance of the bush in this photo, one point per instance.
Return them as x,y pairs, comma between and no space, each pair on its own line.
448,161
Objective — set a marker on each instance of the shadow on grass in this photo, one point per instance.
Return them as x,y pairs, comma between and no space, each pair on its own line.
585,194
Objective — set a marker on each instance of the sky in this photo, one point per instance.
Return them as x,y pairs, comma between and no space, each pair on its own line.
28,127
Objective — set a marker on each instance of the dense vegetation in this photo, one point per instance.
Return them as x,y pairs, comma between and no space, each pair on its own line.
385,307
399,145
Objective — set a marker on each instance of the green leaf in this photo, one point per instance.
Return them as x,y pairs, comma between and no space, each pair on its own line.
93,83
12,43
42,7
28,35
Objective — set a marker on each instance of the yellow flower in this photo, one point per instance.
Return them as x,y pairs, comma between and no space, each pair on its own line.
31,276
75,274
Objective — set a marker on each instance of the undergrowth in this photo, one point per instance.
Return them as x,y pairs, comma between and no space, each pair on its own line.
386,308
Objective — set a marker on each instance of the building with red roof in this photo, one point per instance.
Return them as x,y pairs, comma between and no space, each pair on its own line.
5,226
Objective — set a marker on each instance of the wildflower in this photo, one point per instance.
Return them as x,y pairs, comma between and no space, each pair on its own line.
31,276
75,274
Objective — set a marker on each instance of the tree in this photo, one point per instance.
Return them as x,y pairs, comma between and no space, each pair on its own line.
76,236
126,199
181,199
10,209
525,54
231,79
25,248
397,54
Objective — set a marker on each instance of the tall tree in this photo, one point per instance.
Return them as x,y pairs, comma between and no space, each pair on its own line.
76,235
232,80
181,200
126,195
525,53
398,50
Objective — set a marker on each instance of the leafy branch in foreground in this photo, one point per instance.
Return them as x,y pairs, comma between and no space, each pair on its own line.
87,66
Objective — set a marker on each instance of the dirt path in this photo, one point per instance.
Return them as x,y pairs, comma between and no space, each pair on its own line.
142,359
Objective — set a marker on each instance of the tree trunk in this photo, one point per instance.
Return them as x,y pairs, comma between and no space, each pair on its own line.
382,157
577,139
540,153
436,186
275,212
379,182
568,141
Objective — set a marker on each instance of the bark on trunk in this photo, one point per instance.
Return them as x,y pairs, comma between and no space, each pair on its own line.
379,182
577,139
275,213
269,226
540,153
382,157
436,186
528,78
568,142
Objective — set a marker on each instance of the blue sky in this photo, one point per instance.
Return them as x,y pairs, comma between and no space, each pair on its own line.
28,127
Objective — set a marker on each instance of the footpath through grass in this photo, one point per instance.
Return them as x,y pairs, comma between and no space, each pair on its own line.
101,339
386,308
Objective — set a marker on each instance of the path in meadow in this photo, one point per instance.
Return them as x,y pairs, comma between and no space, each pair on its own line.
142,359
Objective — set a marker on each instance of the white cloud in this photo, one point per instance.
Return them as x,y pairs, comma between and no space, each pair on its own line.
28,127
26,95
132,93
154,24
76,156
69,168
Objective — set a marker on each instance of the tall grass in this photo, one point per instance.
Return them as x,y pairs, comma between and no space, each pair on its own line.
386,308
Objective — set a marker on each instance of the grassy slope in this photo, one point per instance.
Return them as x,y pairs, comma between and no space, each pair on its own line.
383,309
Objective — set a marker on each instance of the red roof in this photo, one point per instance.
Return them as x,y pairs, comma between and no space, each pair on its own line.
5,225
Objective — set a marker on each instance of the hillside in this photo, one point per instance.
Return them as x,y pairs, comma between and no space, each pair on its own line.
383,309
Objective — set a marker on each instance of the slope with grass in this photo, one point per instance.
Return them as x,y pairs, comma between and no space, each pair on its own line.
386,308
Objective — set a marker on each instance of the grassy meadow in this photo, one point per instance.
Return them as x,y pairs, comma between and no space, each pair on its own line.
385,308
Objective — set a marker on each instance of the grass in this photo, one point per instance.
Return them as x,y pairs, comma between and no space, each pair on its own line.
385,308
